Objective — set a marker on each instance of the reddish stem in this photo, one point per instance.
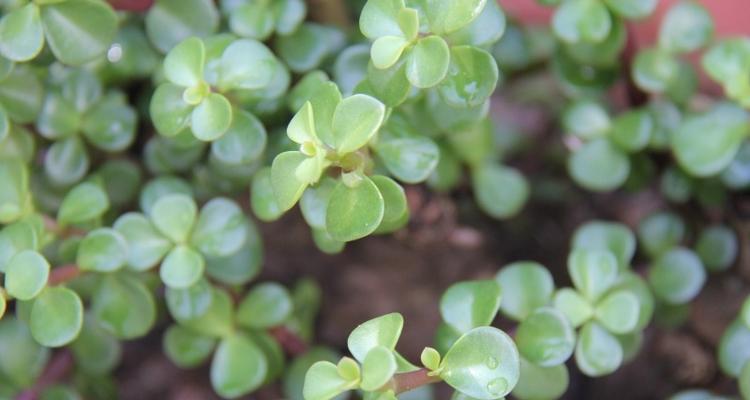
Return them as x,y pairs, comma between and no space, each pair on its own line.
63,274
636,96
131,5
57,369
407,381
289,341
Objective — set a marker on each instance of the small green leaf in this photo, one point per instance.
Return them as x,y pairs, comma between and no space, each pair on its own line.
483,363
613,237
744,380
124,306
501,191
221,229
632,130
246,64
430,358
244,141
85,202
110,124
526,286
265,306
545,337
21,94
287,188
78,31
28,357
593,271
354,213
686,27
396,209
56,317
262,199
309,46
446,16
186,348
660,232
381,331
427,62
717,247
238,367
598,353
387,50
379,18
182,267
95,350
169,112
541,382
22,33
486,29
410,158
218,321
654,70
389,85
16,237
66,161
677,276
618,312
252,19
734,348
26,275
378,367
314,203
146,245
470,304
183,65
174,216
599,166
633,283
356,120
191,302
102,250
632,9
323,382
582,21
211,118
169,22
575,307
471,78
289,15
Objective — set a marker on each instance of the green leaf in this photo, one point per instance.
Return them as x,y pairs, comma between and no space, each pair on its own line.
185,348
593,272
287,188
78,31
182,267
14,197
85,202
582,21
470,304
471,78
16,237
26,275
446,16
221,229
575,307
613,237
183,65
265,306
598,353
487,28
147,246
211,118
744,380
633,283
483,363
309,46
618,312
734,348
717,247
632,130
174,215
110,124
160,187
102,250
262,198
22,33
526,286
169,112
325,243
706,143
655,70
541,383
314,202
238,367
632,9
545,337
427,62
410,158
169,22
686,27
56,317
191,302
354,213
124,306
677,276
244,141
28,357
246,64
380,18
396,209
390,85
660,232
289,15
387,50
599,166
430,358
378,367
66,161
218,320
501,191
381,331
95,351
252,19
356,120
21,94
323,382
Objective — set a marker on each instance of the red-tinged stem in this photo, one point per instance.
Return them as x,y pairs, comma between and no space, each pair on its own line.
407,381
289,341
636,96
63,274
131,5
57,369
51,225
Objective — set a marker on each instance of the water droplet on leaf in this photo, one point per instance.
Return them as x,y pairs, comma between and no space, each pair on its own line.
496,386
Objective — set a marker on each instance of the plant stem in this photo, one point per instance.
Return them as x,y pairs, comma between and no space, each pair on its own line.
51,225
131,5
63,274
289,341
407,381
57,369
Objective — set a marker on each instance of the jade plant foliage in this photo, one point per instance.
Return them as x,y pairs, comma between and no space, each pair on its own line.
142,141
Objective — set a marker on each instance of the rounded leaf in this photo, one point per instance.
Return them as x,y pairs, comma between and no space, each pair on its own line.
380,18
170,114
541,382
262,198
174,216
85,202
613,237
688,26
287,187
323,382
191,302
182,267
598,353
169,22
632,9
582,20
428,61
377,368
632,130
66,161
545,337
238,367
734,348
95,350
221,228
26,275
396,209
593,272
246,64
124,306
56,317
660,232
599,166
410,159
677,276
102,250
470,304
526,285
618,312
243,142
211,118
146,245
22,34
575,307
183,65
356,120
387,50
78,31
655,70
186,348
354,213
500,191
381,331
471,79
265,306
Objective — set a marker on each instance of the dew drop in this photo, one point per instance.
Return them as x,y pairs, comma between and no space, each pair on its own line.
497,386
491,362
